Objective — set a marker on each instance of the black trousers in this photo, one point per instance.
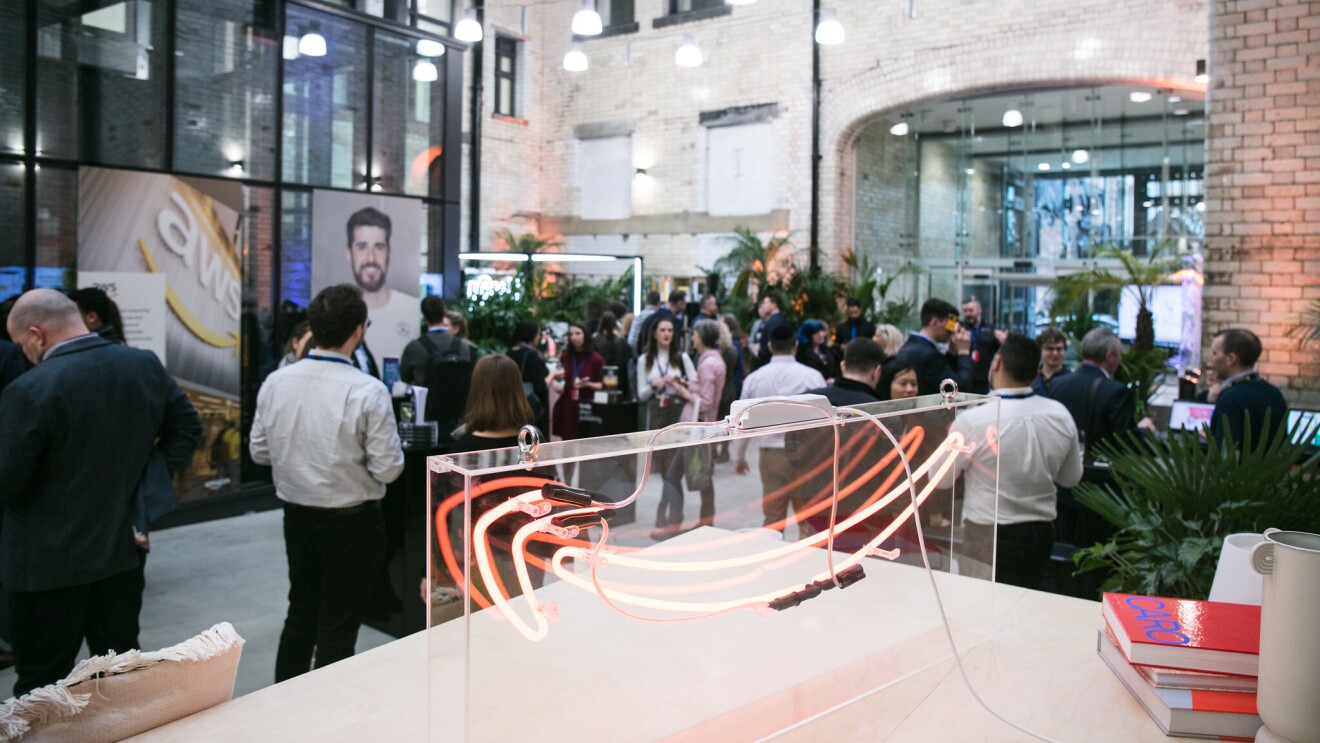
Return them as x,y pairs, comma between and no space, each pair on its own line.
1023,550
335,557
48,627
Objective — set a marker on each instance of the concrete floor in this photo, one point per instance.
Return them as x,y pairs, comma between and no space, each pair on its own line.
232,570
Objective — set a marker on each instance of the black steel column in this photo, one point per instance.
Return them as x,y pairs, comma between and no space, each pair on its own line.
474,133
30,148
815,138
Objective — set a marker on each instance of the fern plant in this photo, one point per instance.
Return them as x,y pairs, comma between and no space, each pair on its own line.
1177,499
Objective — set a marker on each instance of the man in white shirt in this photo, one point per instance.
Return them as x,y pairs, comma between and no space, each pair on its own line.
393,313
781,376
1038,441
328,432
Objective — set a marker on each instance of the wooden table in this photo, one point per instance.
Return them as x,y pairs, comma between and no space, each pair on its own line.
870,663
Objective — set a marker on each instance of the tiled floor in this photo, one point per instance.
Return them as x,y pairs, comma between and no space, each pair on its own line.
231,570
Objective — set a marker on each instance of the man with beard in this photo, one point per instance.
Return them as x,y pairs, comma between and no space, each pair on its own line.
393,314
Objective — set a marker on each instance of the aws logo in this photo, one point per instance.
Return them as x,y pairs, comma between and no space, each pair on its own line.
215,272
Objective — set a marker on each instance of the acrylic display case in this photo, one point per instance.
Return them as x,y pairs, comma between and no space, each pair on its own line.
651,586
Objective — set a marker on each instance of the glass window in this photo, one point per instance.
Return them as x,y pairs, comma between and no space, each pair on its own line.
436,10
685,6
225,87
506,76
13,265
408,115
262,351
13,35
100,82
616,12
325,116
57,227
296,248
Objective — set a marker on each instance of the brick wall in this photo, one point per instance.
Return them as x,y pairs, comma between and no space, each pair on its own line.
1263,181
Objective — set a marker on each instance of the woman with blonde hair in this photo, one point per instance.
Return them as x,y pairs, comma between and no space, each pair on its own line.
889,339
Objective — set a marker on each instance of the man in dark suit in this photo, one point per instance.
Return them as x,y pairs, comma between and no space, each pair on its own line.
12,363
1245,398
855,326
940,350
77,432
1102,407
985,344
771,318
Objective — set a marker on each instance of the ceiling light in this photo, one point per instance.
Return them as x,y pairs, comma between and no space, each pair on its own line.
1043,166
430,48
1180,112
1012,117
468,29
586,22
1175,99
1066,165
1081,156
425,72
900,129
688,55
1139,96
830,31
290,47
1201,76
576,59
312,44
971,171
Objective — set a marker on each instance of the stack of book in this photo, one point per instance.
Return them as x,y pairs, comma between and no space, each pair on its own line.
1191,664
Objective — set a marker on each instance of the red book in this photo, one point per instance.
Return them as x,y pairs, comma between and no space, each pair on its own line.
1221,715
1182,633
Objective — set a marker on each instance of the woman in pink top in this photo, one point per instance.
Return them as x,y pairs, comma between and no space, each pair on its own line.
710,384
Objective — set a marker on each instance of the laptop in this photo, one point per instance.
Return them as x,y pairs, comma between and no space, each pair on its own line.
1301,421
1186,415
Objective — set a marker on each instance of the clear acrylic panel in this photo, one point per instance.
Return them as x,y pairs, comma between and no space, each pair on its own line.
649,585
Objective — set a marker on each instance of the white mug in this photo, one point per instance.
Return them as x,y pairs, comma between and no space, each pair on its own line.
1235,580
1289,683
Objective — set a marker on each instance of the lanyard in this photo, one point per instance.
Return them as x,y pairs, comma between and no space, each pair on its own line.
332,360
1022,396
577,368
664,370
1248,377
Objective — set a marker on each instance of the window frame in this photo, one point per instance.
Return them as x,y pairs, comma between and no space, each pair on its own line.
506,46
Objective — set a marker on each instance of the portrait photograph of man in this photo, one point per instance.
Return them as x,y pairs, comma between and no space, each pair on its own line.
375,243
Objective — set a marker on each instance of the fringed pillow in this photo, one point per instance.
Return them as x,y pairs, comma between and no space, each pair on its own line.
116,696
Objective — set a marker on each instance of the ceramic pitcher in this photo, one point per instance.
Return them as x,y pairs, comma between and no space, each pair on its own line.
1289,685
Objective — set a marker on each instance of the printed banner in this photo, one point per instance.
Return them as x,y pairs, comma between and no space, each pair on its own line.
141,301
137,226
375,242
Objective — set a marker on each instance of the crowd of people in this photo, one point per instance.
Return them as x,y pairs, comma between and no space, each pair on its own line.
73,543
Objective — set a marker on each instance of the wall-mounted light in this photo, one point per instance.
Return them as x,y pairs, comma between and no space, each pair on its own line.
586,22
1043,166
236,167
372,183
1202,76
425,72
1139,96
829,31
1012,118
1181,111
312,43
1066,165
688,55
430,48
576,59
900,129
469,28
290,51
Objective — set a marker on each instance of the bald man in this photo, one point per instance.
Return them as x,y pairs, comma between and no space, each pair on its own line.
77,431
